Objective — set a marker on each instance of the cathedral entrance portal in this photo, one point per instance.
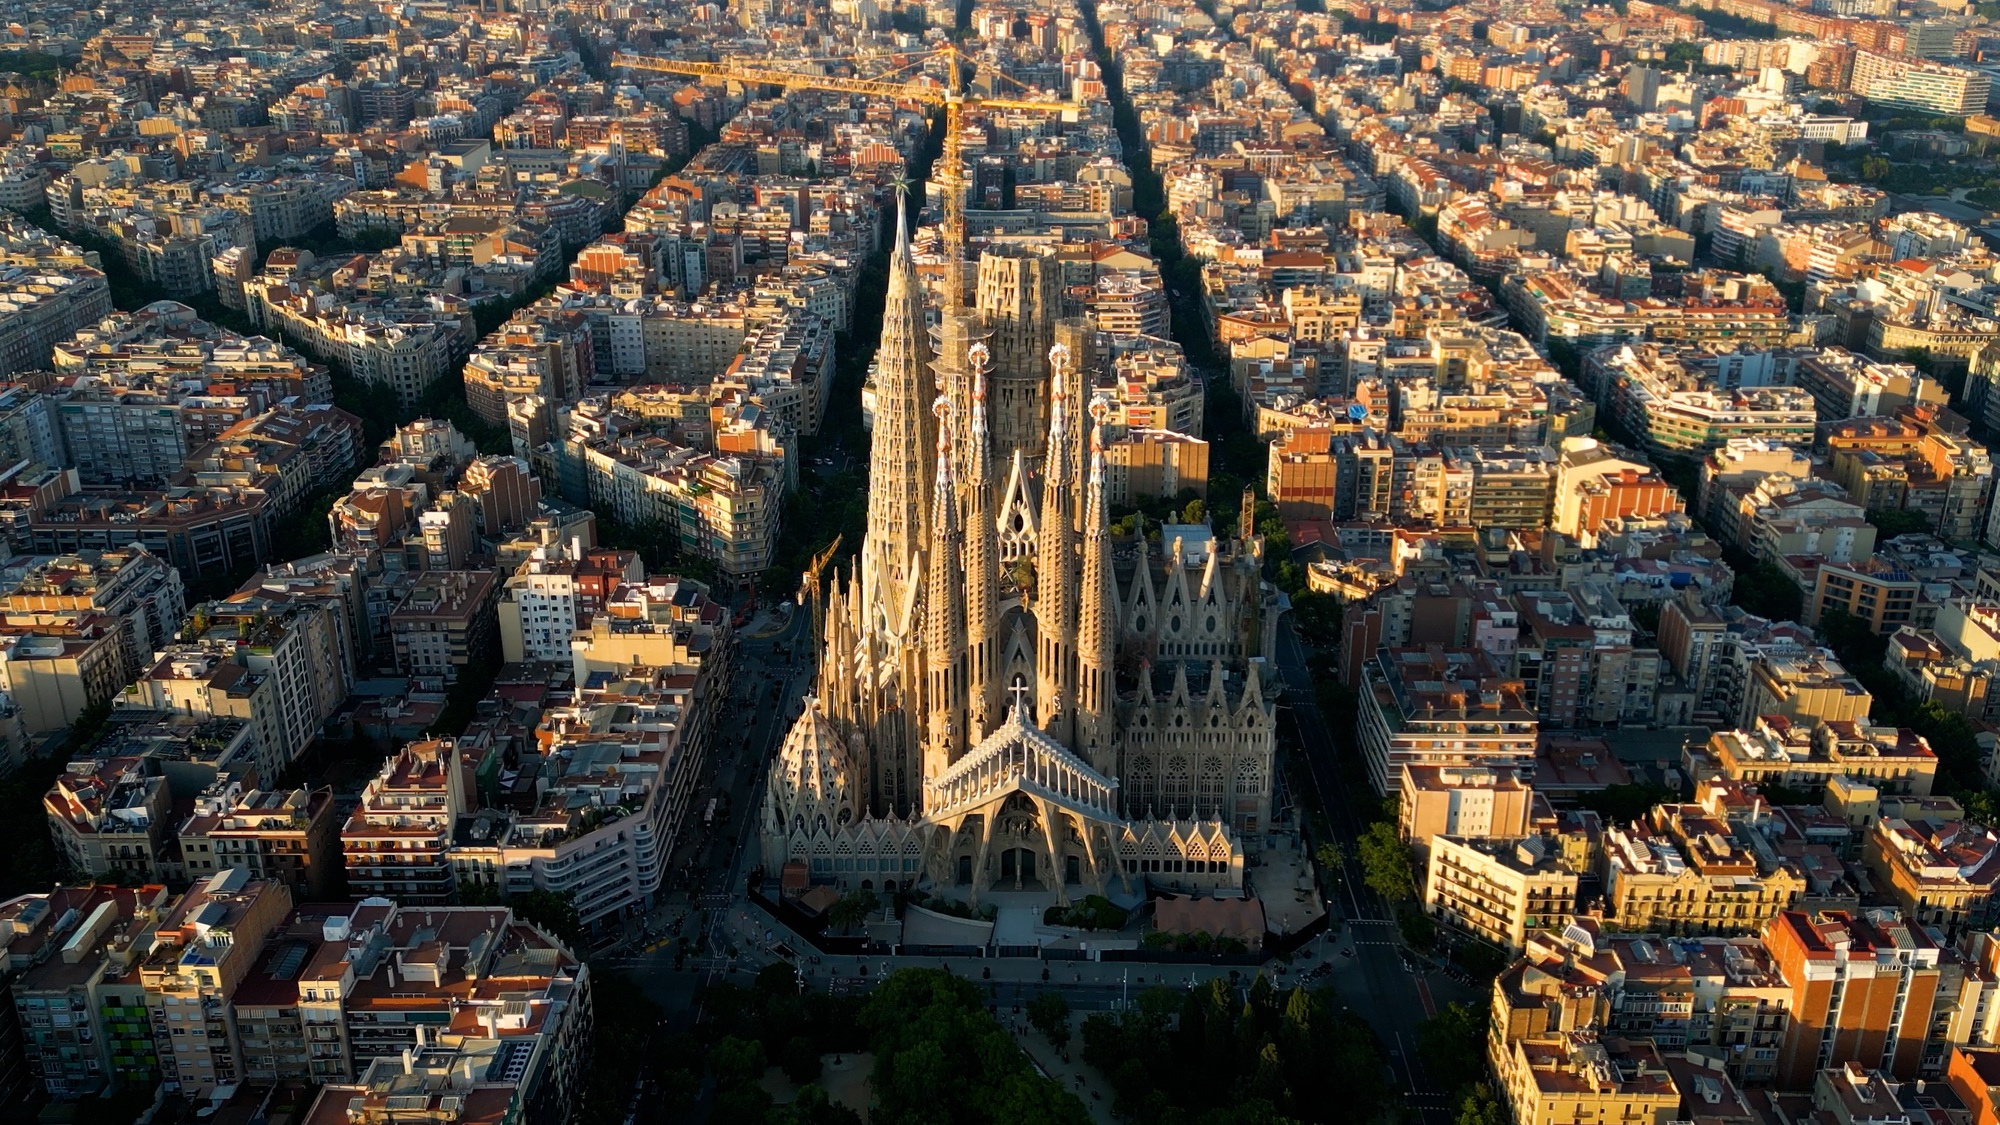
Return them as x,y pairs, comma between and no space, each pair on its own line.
1017,869
965,871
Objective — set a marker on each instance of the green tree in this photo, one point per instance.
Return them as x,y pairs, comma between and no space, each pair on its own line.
940,1057
1683,54
1386,863
1318,617
735,1061
1332,862
1195,512
800,1059
1452,1045
1891,522
852,909
813,1107
1481,1106
1049,1013
553,912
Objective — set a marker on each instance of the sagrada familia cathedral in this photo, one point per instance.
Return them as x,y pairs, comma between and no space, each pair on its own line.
1010,697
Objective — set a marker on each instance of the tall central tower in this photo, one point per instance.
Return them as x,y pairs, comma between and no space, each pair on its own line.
1019,294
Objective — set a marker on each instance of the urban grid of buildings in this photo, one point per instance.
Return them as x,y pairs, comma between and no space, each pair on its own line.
1552,328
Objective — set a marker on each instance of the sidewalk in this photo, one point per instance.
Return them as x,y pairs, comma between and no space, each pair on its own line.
1075,1075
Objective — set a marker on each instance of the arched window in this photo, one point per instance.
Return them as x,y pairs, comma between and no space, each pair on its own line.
1178,791
1209,791
1249,776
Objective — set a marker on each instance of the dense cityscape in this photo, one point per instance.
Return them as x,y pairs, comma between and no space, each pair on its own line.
810,562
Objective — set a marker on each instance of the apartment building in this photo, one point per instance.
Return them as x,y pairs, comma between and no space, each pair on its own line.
1779,751
505,493
397,841
290,838
1143,464
1845,385
558,590
1303,474
544,352
1863,988
81,1026
112,815
1804,686
282,208
726,509
1733,470
227,983
661,622
200,530
49,290
1882,595
1953,662
1912,463
1719,997
462,1081
448,621
283,665
201,950
1941,872
1478,803
1921,85
1688,871
613,778
55,672
1440,706
1499,890
1582,1077
691,342
1596,483
1673,405
1579,662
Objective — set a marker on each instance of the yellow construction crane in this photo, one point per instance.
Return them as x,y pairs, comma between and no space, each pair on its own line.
951,96
809,591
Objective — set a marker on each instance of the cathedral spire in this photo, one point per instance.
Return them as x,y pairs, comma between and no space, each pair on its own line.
1055,567
944,616
1097,618
982,572
836,688
899,459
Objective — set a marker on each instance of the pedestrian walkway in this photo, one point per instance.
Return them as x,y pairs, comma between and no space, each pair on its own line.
1075,1075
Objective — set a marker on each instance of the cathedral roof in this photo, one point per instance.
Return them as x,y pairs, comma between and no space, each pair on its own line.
812,764
1020,757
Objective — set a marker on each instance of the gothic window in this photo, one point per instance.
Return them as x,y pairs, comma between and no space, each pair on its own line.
1211,786
1178,790
1139,791
1249,776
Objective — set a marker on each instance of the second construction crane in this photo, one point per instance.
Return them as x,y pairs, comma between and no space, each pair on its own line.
951,96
